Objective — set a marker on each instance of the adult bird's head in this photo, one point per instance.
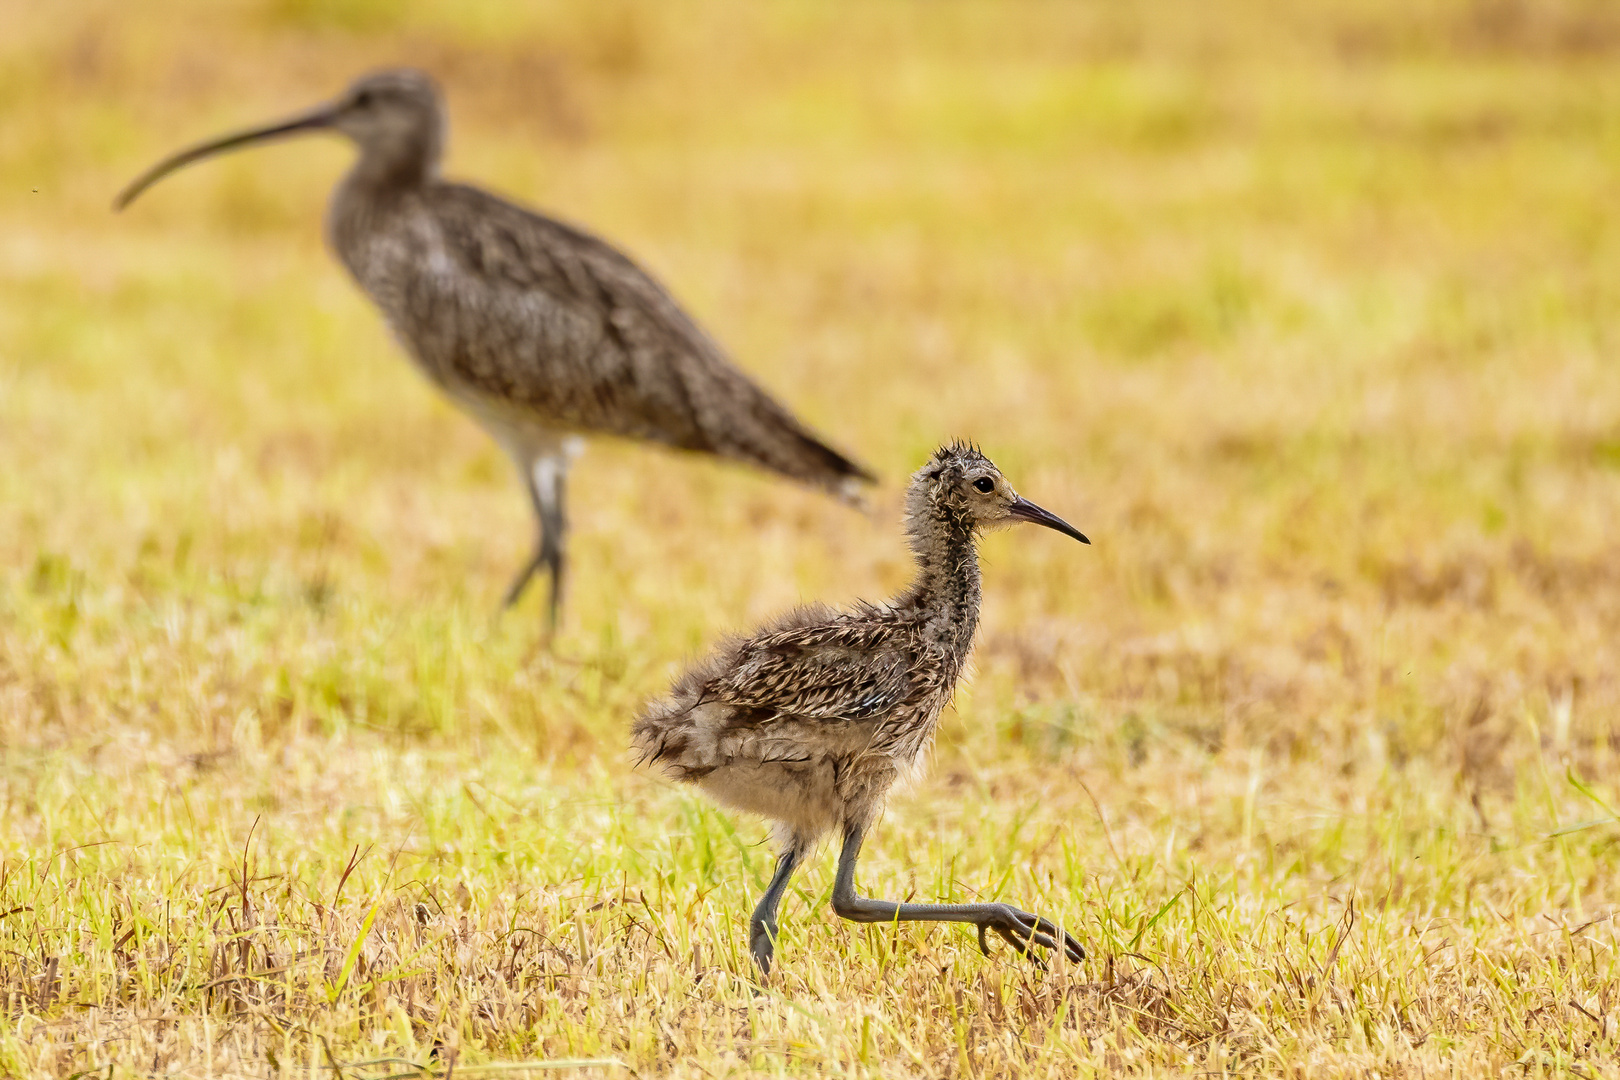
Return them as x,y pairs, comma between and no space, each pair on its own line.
394,116
961,486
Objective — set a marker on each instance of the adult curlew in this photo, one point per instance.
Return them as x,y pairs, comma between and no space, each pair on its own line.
813,719
540,330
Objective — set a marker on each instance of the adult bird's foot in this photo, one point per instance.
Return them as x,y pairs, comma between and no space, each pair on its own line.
1021,929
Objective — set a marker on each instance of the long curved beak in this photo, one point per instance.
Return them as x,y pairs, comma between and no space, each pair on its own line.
313,120
1024,510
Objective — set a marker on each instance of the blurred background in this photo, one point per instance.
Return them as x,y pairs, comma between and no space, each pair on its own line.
1306,314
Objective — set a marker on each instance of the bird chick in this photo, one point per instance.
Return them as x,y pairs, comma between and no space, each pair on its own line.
811,720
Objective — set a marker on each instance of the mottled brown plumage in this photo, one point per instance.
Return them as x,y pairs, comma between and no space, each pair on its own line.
813,719
538,329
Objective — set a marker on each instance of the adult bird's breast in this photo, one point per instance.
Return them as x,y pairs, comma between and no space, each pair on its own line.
520,351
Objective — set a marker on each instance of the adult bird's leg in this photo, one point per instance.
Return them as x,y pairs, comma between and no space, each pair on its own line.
1019,928
546,478
762,926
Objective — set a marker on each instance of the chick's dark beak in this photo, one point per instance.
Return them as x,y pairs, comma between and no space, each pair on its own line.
1024,510
314,120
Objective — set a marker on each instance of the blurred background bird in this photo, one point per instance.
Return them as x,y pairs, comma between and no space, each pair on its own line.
539,330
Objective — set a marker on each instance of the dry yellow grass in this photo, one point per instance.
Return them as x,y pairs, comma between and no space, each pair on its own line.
1305,313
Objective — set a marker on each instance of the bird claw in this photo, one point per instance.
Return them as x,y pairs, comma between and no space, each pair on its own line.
762,944
1021,930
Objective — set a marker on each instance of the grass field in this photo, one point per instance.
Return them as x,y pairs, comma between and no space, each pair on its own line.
1307,314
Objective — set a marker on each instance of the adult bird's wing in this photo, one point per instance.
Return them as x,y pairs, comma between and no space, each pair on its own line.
833,671
583,334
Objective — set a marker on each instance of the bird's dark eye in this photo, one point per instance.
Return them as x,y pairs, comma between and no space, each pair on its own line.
984,484
363,99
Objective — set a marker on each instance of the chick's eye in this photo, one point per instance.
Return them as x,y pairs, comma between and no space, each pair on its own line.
984,484
363,98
